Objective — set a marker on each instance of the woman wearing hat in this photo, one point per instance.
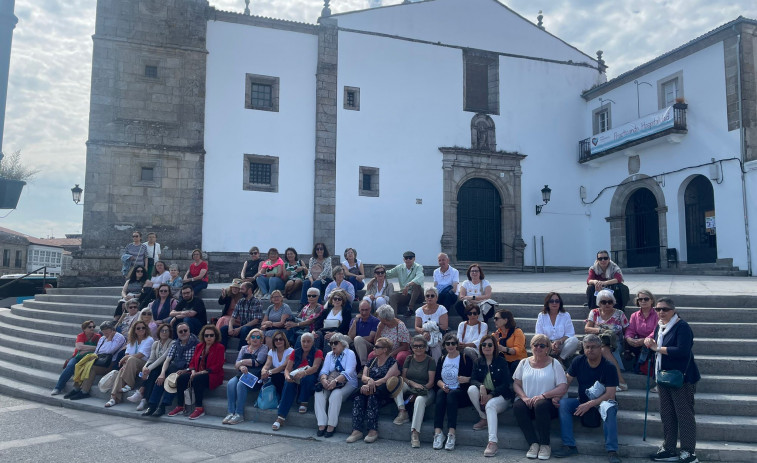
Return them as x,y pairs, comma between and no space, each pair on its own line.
453,375
377,384
228,299
205,371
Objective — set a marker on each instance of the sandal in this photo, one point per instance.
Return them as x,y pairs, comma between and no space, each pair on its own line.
110,403
622,387
277,424
303,409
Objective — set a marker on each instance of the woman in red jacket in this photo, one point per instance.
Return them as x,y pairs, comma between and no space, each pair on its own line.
205,371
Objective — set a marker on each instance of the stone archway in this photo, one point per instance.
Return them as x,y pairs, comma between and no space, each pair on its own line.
617,218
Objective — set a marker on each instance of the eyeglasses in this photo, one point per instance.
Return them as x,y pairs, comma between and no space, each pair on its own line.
165,330
91,326
337,299
135,236
335,343
603,258
644,299
312,295
409,258
163,291
419,346
430,296
450,343
487,344
473,314
606,302
254,253
147,314
256,337
497,318
591,346
209,335
379,272
379,347
540,346
319,249
278,339
662,309
554,301
133,307
183,331
139,328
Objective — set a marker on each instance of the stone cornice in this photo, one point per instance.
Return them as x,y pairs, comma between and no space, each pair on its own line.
260,21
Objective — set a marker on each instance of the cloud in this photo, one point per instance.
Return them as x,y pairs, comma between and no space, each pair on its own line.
51,61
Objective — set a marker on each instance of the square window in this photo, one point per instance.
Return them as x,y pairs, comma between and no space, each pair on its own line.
352,98
261,92
147,174
261,173
368,181
151,71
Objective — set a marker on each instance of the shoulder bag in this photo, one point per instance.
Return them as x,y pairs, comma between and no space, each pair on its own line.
672,378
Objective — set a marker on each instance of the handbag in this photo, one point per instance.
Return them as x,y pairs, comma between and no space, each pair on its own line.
103,360
670,378
268,399
106,382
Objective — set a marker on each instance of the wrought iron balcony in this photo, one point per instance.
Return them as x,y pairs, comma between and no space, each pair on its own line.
671,120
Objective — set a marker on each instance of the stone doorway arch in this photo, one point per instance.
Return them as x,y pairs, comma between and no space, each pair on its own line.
617,219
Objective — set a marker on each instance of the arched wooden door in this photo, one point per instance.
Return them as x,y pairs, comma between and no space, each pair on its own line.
479,222
701,241
642,230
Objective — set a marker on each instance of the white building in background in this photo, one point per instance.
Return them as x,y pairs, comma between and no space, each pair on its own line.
432,126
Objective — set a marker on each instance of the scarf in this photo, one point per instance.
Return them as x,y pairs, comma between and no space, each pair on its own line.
664,329
608,274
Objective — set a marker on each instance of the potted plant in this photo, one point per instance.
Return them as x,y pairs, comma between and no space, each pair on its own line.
12,179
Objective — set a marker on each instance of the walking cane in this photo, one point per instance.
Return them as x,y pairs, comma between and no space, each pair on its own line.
646,402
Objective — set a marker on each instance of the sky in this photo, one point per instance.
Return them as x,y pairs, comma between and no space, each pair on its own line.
51,61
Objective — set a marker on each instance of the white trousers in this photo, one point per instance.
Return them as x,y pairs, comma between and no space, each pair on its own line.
334,399
419,406
494,406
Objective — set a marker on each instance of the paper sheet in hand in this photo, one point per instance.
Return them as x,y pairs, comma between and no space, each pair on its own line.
249,380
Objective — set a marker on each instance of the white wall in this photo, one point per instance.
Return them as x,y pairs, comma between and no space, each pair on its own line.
708,137
233,219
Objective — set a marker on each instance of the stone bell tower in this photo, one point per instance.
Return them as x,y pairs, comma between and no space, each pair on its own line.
145,150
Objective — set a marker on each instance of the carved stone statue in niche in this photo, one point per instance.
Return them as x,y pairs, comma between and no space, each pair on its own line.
483,133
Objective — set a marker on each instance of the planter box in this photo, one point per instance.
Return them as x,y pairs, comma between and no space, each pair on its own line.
10,191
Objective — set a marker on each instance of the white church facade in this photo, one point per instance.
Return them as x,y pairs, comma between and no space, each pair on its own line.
432,126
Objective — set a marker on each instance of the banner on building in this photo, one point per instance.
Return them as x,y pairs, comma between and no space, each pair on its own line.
634,130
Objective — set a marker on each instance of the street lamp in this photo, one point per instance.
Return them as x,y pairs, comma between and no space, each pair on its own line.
76,192
546,193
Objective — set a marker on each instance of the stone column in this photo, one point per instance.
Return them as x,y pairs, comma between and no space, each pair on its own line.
324,188
8,22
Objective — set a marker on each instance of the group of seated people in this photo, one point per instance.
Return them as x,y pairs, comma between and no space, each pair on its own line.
168,347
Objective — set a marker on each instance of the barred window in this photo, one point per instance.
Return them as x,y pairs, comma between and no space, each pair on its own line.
260,173
151,71
261,92
261,96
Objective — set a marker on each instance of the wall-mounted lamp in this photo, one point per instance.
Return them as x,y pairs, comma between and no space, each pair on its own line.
76,192
546,192
638,110
602,101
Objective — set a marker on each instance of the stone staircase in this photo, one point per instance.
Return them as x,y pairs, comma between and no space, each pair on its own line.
38,335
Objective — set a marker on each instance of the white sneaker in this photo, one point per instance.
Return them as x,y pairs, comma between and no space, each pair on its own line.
135,398
533,451
126,389
55,391
142,405
450,445
545,451
438,441
227,418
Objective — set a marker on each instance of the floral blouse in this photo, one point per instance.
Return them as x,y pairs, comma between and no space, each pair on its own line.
376,372
309,313
617,322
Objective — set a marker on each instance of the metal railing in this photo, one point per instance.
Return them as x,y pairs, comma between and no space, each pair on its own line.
33,272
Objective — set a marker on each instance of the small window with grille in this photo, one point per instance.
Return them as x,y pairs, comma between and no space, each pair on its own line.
151,71
261,173
368,181
352,98
261,92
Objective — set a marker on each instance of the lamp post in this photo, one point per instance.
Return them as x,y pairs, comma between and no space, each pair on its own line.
546,193
76,192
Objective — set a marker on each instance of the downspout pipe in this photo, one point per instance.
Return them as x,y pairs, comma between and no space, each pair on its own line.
742,140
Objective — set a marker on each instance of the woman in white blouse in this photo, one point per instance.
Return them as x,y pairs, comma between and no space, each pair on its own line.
139,344
470,332
474,290
539,382
277,361
378,291
336,381
555,323
432,311
152,368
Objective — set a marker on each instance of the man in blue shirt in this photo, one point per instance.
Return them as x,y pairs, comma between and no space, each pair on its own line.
589,369
363,331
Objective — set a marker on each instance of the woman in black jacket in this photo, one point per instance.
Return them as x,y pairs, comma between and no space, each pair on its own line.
673,341
490,391
453,374
336,319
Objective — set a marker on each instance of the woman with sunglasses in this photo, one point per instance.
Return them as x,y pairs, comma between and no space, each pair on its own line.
309,319
418,385
251,267
319,272
271,274
146,316
556,324
379,290
432,311
537,380
299,375
511,340
354,271
205,371
334,320
295,271
453,375
163,304
336,381
275,317
138,347
608,323
490,391
132,289
640,326
471,331
277,361
135,253
85,343
228,299
604,274
197,273
672,341
251,358
152,368
128,318
375,387
160,275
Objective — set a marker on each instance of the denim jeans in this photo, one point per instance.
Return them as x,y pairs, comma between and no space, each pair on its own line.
66,374
447,298
356,283
306,386
268,285
236,392
569,406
